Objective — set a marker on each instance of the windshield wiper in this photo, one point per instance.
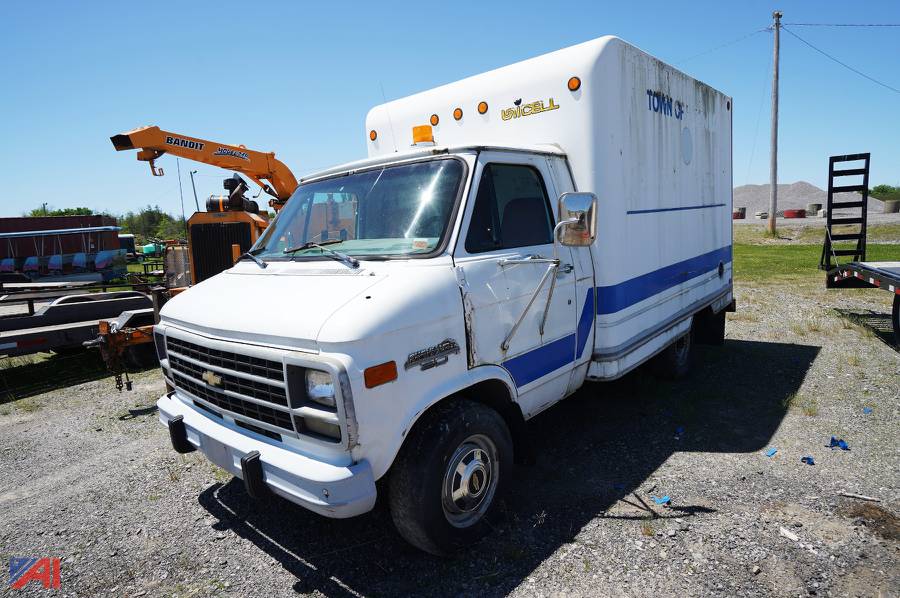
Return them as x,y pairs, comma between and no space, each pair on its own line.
335,255
250,255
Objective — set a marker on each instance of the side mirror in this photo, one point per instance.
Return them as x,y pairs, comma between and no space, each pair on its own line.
577,219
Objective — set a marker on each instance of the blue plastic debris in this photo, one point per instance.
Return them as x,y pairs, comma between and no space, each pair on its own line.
771,451
679,430
808,460
664,500
867,410
838,443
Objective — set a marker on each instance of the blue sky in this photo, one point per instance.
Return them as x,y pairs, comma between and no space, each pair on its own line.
297,78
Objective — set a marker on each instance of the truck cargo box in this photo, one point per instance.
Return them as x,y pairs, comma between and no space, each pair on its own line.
651,142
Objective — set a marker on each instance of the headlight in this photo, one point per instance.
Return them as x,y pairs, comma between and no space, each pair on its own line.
320,387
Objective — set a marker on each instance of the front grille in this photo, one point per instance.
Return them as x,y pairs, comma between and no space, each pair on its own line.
264,368
190,363
267,415
207,409
242,386
258,430
252,389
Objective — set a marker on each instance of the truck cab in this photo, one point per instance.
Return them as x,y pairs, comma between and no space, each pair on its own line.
405,315
415,271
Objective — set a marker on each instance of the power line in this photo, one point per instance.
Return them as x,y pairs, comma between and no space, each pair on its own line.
843,64
843,24
720,46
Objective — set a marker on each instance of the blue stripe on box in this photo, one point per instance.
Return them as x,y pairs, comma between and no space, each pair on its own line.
617,297
678,209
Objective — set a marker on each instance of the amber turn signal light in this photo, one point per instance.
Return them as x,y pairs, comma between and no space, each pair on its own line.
380,374
373,135
482,107
457,114
435,120
574,84
423,134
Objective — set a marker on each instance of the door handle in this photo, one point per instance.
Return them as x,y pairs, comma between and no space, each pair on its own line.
566,268
528,259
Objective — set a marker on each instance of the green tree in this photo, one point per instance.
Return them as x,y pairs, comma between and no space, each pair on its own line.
151,222
885,192
50,211
885,189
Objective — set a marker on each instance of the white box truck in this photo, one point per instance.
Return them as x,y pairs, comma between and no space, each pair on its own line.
510,237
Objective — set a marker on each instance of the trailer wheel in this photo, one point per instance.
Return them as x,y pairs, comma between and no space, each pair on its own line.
895,318
674,362
449,475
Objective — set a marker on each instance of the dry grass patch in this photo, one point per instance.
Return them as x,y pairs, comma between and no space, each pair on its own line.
796,401
743,316
797,328
815,325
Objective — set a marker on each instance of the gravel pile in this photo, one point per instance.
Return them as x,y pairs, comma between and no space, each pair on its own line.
791,197
89,476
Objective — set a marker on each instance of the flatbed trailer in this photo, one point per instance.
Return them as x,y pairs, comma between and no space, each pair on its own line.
880,275
841,214
66,322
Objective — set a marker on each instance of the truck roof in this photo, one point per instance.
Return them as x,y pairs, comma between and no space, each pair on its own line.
423,151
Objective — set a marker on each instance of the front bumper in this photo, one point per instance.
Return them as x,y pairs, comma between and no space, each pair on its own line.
329,490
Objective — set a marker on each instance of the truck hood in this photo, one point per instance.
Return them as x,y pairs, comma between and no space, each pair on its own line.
284,305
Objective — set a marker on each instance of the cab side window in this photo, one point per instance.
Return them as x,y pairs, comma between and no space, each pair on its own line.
511,210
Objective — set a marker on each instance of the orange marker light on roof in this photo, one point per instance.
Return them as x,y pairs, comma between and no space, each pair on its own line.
435,120
457,114
482,107
574,84
423,134
380,374
373,135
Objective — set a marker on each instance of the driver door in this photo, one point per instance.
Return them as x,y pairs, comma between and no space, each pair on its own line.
502,259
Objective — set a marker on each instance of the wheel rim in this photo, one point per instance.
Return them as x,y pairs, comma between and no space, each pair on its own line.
470,481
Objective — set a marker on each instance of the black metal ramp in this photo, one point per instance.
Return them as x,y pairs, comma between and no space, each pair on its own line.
852,213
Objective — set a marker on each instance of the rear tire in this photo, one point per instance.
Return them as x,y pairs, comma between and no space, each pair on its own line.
674,362
709,328
449,476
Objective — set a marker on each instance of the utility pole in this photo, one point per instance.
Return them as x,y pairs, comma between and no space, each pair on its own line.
197,203
773,159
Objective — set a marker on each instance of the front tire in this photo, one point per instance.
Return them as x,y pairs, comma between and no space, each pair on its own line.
449,476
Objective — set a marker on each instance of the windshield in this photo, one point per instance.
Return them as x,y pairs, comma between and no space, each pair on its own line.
389,211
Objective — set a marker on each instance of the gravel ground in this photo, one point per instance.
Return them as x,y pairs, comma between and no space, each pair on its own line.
88,475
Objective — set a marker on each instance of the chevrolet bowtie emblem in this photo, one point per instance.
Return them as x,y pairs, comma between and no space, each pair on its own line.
212,378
